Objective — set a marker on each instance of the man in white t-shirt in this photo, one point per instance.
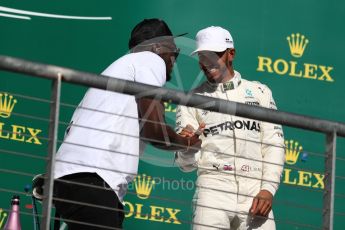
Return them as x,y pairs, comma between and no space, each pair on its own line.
102,145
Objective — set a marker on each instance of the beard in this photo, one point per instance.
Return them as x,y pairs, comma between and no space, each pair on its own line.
215,74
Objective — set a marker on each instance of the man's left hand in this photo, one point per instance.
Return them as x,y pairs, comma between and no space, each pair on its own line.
262,204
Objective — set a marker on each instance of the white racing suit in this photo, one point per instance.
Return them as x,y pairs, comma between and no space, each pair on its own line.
239,157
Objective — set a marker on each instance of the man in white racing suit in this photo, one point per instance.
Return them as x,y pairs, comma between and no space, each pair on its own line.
241,160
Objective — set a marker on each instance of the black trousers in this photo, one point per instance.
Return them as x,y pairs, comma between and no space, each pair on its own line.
103,196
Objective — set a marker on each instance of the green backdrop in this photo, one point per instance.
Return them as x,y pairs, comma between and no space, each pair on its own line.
306,81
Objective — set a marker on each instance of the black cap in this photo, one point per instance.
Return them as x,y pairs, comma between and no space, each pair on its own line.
15,200
147,30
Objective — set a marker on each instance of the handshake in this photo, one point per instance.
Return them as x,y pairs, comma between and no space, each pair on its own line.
192,135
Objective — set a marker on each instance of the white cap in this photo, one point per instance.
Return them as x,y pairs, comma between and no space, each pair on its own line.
213,38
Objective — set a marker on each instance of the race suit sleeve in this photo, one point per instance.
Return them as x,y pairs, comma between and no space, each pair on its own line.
273,149
184,116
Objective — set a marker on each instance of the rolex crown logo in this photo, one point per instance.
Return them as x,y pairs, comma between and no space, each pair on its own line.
297,44
3,216
292,151
6,105
143,186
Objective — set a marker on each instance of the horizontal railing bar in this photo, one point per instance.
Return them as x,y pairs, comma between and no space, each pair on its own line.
178,97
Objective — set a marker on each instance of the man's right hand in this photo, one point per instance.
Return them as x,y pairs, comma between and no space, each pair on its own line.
194,143
189,131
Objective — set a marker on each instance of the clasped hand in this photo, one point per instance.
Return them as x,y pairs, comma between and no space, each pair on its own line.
194,143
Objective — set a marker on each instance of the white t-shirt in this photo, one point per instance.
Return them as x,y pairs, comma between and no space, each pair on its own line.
104,135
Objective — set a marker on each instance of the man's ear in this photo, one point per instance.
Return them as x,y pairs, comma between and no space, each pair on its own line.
231,54
156,48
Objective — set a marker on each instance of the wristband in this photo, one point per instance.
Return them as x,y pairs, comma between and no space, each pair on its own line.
188,144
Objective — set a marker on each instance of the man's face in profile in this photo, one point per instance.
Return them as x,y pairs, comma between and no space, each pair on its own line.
168,51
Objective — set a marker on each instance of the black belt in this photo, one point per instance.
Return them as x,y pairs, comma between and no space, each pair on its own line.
85,177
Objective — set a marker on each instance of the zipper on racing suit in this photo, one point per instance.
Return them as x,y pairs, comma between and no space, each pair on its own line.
235,148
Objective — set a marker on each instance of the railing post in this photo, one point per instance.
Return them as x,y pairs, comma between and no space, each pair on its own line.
53,131
328,196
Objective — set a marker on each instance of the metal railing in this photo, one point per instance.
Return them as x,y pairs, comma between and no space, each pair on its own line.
58,74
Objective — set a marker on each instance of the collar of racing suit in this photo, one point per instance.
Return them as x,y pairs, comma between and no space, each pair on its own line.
233,83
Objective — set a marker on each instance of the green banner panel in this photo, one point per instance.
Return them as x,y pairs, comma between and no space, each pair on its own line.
294,47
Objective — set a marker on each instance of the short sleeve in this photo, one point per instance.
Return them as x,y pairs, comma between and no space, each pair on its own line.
151,70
